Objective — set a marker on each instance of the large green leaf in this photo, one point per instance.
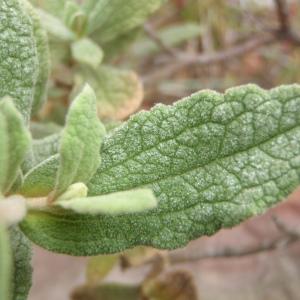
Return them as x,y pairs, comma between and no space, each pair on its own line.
16,138
80,143
5,264
109,19
212,161
18,55
21,252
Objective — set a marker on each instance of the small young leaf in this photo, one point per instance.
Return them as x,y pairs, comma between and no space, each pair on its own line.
118,203
80,143
41,43
87,52
212,161
21,254
18,56
5,264
17,140
119,92
75,18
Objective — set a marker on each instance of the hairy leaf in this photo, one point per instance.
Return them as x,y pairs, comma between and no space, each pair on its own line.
212,161
21,252
80,143
119,92
41,43
18,56
17,140
5,264
111,18
87,52
55,27
112,204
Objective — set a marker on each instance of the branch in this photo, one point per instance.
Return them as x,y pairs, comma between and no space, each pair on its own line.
288,237
158,41
283,15
209,59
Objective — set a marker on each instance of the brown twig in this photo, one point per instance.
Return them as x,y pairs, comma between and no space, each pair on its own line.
157,40
283,33
209,59
288,237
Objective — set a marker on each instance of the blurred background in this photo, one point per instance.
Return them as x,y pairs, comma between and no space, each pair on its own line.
178,48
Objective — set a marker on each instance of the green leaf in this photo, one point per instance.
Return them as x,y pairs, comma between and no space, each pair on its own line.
17,139
80,143
109,19
87,52
212,161
40,180
5,264
55,27
41,43
54,7
171,36
119,92
118,203
21,252
75,18
18,56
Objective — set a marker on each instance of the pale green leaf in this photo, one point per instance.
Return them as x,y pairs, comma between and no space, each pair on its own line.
54,7
18,56
75,18
17,140
21,253
5,264
109,19
55,27
87,52
118,203
41,43
172,36
80,143
4,153
212,160
119,92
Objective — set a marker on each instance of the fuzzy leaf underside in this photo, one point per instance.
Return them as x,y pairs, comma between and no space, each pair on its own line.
21,282
212,161
18,56
112,204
